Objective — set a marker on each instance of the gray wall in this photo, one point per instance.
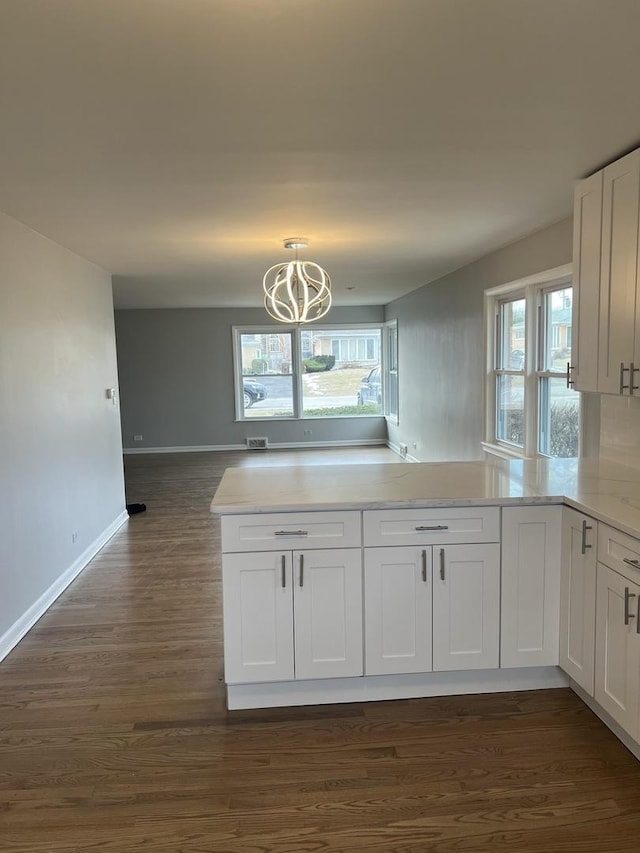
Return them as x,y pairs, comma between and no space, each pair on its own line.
60,448
176,381
440,342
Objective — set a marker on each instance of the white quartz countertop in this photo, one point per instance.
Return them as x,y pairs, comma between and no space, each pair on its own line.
607,492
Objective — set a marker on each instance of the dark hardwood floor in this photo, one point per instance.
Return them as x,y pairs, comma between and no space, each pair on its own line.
114,736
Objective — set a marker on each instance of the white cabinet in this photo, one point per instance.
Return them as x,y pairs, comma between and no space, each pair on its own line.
617,681
617,669
431,526
531,538
327,598
258,617
587,241
275,531
292,615
432,590
606,279
578,597
466,607
620,219
397,605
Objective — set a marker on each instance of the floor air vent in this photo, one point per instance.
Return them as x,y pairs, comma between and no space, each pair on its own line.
257,443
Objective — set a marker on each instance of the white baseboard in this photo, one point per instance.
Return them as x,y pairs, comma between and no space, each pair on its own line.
396,449
373,688
275,445
17,631
599,711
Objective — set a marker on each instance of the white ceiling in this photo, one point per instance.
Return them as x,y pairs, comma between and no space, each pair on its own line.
178,142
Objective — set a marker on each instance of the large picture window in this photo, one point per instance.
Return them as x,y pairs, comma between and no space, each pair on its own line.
310,373
531,410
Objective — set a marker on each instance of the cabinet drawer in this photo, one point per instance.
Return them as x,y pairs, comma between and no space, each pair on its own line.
431,526
289,530
619,551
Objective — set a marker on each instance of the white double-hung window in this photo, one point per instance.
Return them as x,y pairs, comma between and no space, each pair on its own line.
531,410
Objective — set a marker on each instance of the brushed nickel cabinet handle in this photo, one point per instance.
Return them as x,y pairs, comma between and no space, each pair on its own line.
634,563
570,369
425,528
627,598
301,570
633,369
290,532
584,546
441,564
424,566
283,572
623,370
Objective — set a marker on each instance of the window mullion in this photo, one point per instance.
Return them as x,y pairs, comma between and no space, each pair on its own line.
296,353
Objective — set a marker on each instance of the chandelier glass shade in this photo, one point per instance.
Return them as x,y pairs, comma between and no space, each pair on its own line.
296,292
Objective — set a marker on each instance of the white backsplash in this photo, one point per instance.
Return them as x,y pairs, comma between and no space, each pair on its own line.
620,429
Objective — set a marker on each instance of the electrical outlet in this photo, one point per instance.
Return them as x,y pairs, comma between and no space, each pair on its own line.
138,437
308,432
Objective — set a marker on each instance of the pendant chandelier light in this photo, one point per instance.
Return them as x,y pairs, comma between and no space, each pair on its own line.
297,292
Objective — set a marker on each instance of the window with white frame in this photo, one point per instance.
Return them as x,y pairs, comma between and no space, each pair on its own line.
289,372
531,410
391,370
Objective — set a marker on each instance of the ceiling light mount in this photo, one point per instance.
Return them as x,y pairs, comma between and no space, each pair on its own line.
299,291
296,243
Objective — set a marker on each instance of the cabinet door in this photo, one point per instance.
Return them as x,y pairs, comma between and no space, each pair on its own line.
621,197
258,617
466,607
587,239
397,610
531,538
617,648
328,613
578,597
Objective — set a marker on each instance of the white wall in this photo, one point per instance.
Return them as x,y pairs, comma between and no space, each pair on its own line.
60,447
440,346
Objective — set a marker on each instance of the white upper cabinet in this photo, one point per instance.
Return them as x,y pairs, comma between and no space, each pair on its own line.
606,346
620,208
587,242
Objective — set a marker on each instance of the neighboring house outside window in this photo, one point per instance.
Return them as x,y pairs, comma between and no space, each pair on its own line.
291,372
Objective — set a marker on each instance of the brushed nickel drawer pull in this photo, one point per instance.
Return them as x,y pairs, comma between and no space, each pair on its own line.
284,572
634,563
422,528
441,564
424,566
290,532
301,570
627,598
585,527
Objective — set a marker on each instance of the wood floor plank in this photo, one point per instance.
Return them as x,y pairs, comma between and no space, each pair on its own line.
115,738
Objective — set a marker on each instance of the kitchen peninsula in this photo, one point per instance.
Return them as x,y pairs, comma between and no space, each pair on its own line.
357,582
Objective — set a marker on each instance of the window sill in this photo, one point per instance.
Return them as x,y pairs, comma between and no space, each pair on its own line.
502,451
